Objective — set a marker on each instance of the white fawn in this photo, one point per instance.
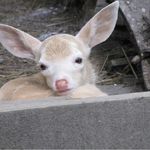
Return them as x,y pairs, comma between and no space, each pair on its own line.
63,58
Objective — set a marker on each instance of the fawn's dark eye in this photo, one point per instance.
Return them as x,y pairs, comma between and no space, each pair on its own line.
78,60
43,67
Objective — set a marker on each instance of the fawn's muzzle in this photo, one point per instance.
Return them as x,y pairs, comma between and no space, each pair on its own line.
61,85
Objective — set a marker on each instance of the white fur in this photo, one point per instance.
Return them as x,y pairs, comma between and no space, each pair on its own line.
63,69
77,75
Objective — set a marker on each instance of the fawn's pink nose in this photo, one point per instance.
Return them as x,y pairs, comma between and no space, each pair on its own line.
61,85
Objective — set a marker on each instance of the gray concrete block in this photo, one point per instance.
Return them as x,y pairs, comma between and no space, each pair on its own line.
121,121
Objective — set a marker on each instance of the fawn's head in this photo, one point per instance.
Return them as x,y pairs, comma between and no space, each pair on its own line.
63,58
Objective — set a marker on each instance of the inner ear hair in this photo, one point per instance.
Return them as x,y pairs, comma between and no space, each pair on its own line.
100,27
18,42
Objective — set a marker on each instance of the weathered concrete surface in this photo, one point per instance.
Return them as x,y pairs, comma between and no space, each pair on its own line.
121,121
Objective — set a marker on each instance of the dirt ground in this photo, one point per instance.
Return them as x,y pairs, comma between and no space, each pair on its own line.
43,20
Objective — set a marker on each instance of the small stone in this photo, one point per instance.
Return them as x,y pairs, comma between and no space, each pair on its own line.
54,13
1,61
132,25
136,59
143,10
51,8
115,84
138,41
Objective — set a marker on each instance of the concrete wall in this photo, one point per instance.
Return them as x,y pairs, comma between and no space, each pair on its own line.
121,121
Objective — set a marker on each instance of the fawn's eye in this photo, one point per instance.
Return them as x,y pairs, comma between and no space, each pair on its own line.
43,67
78,60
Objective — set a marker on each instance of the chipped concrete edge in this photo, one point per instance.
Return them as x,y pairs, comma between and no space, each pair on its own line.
7,106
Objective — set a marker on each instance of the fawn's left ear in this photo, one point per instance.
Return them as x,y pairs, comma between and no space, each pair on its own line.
100,27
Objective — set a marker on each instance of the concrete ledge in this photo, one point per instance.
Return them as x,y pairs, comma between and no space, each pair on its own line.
121,121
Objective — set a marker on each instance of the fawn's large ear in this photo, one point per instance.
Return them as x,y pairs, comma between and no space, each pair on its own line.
100,27
18,42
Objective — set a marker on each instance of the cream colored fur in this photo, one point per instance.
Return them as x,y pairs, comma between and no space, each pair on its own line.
58,53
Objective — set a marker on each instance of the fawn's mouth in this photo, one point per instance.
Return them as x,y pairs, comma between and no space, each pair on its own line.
63,92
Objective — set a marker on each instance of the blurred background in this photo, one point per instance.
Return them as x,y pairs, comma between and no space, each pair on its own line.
43,18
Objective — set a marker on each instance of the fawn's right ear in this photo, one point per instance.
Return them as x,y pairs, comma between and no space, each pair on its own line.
100,27
18,42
